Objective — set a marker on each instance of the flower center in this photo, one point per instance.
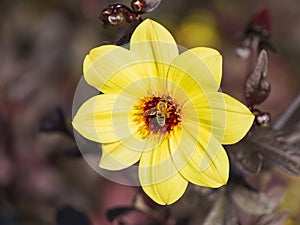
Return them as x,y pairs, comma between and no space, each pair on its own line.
161,114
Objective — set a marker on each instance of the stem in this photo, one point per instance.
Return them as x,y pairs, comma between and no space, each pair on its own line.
287,116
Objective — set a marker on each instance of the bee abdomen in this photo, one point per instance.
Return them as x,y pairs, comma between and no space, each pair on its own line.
161,120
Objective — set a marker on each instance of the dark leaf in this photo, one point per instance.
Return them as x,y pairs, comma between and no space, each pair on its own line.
294,137
112,214
278,152
237,176
143,6
265,145
250,160
277,218
275,150
67,216
287,160
221,213
251,201
257,88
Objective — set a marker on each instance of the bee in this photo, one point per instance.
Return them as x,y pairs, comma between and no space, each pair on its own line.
160,111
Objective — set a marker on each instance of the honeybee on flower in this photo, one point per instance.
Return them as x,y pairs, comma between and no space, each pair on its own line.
160,111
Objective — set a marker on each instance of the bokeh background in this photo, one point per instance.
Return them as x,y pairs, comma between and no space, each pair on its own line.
42,46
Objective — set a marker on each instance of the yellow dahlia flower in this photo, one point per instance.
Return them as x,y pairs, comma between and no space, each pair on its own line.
161,109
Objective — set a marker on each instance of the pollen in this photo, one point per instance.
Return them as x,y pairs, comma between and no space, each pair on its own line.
160,114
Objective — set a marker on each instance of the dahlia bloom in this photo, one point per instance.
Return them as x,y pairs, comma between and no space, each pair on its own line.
162,110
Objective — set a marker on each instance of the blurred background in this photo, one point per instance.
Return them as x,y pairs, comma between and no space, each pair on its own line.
42,46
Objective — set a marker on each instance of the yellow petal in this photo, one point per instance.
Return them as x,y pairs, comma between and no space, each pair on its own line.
105,118
154,44
117,156
213,60
150,30
111,69
155,80
126,152
202,160
194,72
238,118
158,176
225,117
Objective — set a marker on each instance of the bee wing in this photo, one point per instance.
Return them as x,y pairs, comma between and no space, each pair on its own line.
150,112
